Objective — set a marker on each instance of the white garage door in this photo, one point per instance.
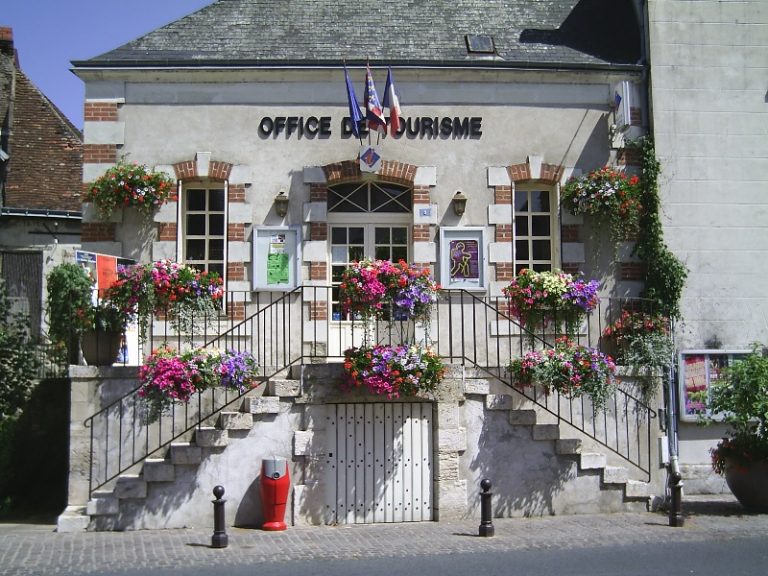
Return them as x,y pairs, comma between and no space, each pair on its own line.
379,463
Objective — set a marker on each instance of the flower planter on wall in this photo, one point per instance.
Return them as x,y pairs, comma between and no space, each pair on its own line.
749,485
100,348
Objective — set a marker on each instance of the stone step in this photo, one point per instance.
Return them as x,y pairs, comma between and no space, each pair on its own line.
74,518
568,446
546,432
103,505
130,486
235,420
522,417
284,388
637,489
592,461
158,470
209,437
615,475
262,405
184,453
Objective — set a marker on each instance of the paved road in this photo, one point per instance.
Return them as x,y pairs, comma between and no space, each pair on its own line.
443,548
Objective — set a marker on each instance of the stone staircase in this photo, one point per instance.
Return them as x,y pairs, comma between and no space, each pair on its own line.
545,427
119,507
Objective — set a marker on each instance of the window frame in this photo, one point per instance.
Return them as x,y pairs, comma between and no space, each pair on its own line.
554,228
182,237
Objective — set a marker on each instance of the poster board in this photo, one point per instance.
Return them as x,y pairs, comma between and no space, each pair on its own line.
463,258
276,256
699,370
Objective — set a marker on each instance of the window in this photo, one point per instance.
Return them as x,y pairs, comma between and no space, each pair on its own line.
204,225
534,223
369,197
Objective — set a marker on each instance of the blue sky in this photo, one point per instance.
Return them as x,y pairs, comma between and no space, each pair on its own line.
48,34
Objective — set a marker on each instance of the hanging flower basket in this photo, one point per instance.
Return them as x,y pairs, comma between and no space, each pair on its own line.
130,185
393,371
610,196
371,288
571,369
539,298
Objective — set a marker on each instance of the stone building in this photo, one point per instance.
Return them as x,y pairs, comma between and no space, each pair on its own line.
244,103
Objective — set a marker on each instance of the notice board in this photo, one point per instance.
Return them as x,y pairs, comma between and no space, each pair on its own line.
699,370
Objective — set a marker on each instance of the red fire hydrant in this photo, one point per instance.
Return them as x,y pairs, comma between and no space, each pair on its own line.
275,482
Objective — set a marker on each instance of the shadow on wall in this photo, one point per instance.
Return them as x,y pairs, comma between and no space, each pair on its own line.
526,475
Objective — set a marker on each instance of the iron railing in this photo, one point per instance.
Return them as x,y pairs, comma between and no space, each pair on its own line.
288,329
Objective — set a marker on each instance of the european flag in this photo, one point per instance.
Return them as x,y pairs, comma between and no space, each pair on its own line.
355,116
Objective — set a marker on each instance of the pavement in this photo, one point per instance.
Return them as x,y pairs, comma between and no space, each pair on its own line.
35,548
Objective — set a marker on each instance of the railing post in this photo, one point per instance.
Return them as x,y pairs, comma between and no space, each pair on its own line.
676,494
486,528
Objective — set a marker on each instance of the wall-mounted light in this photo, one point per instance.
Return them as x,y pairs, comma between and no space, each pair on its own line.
281,204
459,203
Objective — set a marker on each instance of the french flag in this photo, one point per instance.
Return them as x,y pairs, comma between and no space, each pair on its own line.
373,110
392,102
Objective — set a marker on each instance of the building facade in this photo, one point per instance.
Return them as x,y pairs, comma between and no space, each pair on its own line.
245,104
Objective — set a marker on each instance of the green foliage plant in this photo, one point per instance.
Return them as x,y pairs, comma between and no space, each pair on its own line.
740,396
18,362
69,299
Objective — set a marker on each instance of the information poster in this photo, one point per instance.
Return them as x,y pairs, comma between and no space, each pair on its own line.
277,261
462,257
699,371
275,257
465,260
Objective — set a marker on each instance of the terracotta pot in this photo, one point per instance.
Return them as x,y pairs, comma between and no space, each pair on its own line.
100,348
749,485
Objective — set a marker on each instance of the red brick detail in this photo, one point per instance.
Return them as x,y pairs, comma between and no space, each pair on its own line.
503,233
421,233
629,157
318,310
318,271
505,271
349,171
185,170
236,232
570,268
235,271
46,153
236,193
570,232
318,231
236,310
219,170
551,173
502,195
99,153
97,232
100,112
6,34
518,172
167,231
318,193
635,116
632,271
421,195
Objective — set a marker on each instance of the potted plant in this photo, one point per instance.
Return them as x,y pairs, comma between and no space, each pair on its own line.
740,397
133,185
69,297
103,333
537,299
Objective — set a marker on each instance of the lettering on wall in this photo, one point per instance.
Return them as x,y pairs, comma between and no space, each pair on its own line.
412,127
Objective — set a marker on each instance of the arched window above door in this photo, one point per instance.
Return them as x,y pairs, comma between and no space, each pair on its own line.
370,197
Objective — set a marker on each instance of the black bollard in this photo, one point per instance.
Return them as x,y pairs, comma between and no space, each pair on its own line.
486,511
219,538
676,505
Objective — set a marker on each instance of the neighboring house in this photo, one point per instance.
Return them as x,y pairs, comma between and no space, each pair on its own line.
710,121
244,103
40,184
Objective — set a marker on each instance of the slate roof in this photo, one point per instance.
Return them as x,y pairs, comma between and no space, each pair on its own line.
526,33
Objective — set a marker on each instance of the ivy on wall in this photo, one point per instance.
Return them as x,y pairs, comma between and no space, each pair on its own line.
665,274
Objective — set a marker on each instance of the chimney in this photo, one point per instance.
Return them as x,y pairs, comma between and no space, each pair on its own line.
6,40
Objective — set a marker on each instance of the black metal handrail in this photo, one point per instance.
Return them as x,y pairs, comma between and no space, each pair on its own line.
293,327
